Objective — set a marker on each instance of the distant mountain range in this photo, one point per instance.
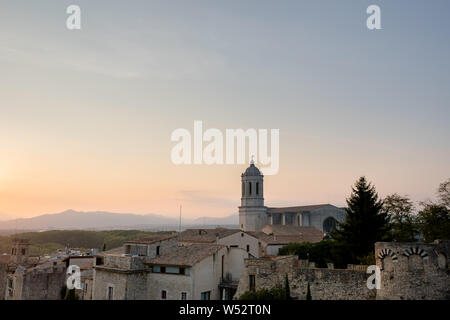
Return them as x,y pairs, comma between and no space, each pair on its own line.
100,220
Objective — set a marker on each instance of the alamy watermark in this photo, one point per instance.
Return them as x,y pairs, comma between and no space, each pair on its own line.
210,147
374,280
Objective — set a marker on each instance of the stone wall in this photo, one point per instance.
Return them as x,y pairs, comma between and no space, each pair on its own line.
414,270
38,284
126,285
3,280
325,284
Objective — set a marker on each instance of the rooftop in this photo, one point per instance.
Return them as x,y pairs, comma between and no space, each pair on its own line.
282,234
206,235
152,239
187,255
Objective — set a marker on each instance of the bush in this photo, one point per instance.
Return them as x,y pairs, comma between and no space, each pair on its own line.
277,293
326,251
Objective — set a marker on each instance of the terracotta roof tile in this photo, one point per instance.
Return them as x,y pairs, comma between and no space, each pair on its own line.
152,239
303,234
205,235
187,255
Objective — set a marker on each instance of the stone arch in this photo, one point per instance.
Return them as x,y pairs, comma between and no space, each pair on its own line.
415,257
387,264
410,251
388,252
329,224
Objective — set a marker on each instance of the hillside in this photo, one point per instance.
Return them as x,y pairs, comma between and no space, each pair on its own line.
101,220
48,241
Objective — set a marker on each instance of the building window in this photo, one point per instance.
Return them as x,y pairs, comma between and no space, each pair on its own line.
243,189
110,293
163,294
205,295
163,269
251,283
249,188
157,250
257,188
156,269
98,261
183,296
174,270
248,248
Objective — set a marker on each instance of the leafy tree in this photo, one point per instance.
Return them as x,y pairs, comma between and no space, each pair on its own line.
365,223
444,193
277,293
403,222
104,247
308,293
323,252
434,222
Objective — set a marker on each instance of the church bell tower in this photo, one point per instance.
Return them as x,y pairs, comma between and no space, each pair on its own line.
252,212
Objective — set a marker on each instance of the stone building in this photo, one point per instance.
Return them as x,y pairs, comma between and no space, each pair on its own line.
166,268
325,283
25,277
233,238
414,270
410,271
253,215
273,237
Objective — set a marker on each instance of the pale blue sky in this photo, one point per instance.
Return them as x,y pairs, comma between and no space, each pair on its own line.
97,106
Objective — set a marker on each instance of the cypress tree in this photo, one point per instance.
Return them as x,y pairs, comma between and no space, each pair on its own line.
308,293
366,222
287,288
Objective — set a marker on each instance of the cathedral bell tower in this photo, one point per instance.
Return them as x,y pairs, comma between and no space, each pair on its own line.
252,212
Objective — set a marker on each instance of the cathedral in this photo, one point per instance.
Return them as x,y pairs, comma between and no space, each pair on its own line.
253,215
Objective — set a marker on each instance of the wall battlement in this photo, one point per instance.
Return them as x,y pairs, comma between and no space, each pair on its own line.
413,270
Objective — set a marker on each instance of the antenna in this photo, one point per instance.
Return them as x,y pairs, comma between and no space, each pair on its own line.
179,228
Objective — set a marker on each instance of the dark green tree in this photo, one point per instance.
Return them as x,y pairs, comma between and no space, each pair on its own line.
366,222
287,288
434,221
444,193
308,293
277,293
104,247
71,295
403,221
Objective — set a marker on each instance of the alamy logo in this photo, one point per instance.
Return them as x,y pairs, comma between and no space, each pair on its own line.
374,280
73,22
374,20
74,279
190,149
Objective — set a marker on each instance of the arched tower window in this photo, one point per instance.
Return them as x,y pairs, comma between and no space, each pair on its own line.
249,188
329,224
257,188
243,189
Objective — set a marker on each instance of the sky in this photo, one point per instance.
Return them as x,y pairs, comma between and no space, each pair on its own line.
86,115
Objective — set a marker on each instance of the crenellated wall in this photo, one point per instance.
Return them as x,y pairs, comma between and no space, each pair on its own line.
325,284
413,271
